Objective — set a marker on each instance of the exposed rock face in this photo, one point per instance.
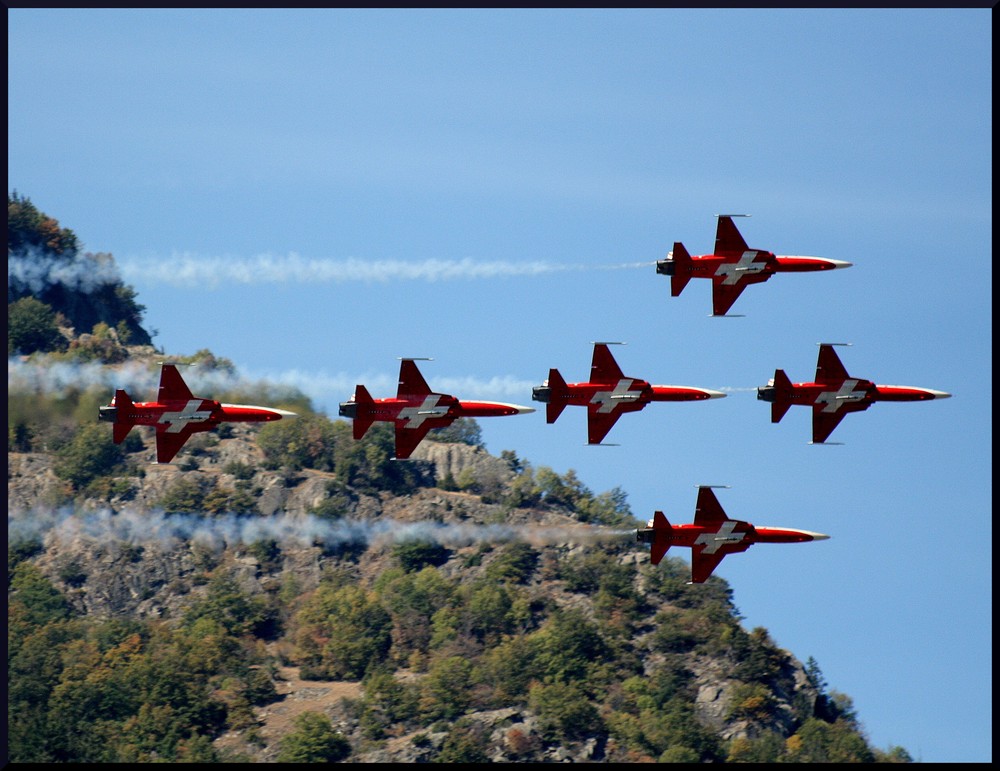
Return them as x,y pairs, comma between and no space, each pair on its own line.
455,459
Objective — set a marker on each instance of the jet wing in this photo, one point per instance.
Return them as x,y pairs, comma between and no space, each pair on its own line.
169,442
829,368
728,239
172,386
599,423
704,560
407,439
724,295
604,368
411,382
703,564
825,422
708,511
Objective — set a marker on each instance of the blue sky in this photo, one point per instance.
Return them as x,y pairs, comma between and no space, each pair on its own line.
314,193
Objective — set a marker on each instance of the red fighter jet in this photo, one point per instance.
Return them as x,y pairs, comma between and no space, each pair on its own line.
609,394
416,409
712,536
834,394
733,266
177,414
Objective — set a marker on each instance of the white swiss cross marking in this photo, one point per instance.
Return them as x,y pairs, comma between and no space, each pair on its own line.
610,399
834,399
732,270
725,535
190,414
414,416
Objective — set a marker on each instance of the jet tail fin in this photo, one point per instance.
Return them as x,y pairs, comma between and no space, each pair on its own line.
682,269
364,414
124,416
557,392
782,395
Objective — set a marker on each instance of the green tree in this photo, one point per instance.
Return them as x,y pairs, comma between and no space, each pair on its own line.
412,598
564,712
89,455
769,747
184,495
31,327
314,740
462,431
570,644
225,603
28,228
32,600
447,691
820,742
341,632
47,264
309,441
488,611
416,554
516,563
511,667
465,743
387,701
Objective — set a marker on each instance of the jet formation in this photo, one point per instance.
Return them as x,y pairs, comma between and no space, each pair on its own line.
609,394
416,409
712,535
177,414
733,266
834,394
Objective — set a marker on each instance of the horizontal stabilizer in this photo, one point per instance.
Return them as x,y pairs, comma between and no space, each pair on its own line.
661,541
782,396
124,416
557,396
364,414
682,269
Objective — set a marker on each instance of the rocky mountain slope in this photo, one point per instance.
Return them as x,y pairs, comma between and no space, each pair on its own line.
126,558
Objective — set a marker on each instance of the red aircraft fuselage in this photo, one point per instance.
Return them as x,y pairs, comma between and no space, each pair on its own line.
177,414
416,409
609,394
733,266
834,394
712,536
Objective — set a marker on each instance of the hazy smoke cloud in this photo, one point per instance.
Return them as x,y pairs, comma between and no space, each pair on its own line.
187,270
170,530
36,270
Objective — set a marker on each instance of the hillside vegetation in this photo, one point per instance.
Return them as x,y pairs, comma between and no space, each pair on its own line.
284,593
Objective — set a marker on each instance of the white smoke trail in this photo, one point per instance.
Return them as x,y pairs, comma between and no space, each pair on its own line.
142,381
36,270
190,270
170,530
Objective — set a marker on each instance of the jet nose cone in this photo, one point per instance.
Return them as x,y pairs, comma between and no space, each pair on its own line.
285,413
522,410
939,394
839,263
817,536
714,394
